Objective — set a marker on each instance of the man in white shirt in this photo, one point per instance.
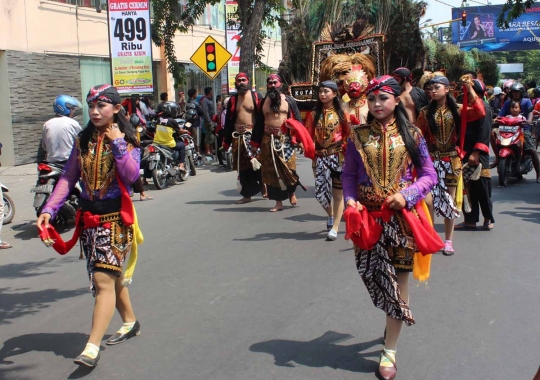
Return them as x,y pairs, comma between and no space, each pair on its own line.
59,133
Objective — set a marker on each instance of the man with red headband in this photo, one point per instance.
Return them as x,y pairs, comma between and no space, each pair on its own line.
413,98
277,143
239,120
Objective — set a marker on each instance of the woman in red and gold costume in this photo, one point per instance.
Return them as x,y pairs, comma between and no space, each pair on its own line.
388,171
328,125
441,125
106,158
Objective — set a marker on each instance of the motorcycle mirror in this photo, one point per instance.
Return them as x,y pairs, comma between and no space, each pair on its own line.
134,120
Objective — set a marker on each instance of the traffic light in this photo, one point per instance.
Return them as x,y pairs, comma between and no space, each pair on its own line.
463,18
210,57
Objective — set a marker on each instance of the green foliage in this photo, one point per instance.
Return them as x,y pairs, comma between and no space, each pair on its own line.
170,17
455,61
511,10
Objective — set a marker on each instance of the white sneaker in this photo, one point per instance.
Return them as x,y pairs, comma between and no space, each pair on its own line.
332,235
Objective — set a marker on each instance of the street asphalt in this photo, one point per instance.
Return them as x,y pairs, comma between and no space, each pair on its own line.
234,292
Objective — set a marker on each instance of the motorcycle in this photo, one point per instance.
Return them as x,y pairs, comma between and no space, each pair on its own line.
9,206
162,162
48,177
191,154
510,139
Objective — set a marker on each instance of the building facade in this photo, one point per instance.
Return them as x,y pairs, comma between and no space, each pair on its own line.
48,48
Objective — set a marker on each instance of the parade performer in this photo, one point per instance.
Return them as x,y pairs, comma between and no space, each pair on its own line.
328,125
277,141
106,158
444,130
478,189
355,85
386,175
240,117
413,98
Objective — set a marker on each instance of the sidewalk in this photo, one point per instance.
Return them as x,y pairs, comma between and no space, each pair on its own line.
21,170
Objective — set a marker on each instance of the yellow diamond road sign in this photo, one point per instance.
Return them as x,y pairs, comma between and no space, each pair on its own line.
211,57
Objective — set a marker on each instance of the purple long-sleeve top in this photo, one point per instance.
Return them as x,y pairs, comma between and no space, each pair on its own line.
354,174
127,164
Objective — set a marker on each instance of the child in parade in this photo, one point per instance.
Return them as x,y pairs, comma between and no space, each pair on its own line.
328,125
440,123
387,166
106,158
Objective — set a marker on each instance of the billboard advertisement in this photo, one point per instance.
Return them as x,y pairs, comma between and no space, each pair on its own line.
130,44
233,37
480,30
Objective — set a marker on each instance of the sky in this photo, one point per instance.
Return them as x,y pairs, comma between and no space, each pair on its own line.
439,11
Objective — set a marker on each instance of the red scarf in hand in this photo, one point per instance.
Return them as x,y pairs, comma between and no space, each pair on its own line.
52,238
364,231
303,136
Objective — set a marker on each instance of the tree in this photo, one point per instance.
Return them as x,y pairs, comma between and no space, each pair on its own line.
511,10
252,15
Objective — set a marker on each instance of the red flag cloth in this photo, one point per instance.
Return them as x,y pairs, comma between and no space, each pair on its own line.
361,228
364,231
50,236
463,128
303,136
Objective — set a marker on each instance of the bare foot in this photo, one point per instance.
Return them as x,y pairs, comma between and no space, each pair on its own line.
292,199
277,207
243,200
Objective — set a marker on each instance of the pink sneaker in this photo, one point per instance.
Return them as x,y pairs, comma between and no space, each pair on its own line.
448,249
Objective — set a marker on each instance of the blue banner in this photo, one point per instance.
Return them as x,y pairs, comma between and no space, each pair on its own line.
481,32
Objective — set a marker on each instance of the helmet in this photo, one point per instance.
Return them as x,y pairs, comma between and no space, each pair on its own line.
508,83
536,92
63,104
518,87
191,112
171,109
497,91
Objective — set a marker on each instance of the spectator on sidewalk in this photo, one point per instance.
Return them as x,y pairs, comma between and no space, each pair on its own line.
209,112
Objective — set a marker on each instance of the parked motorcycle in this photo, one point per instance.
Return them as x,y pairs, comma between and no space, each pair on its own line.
9,206
191,154
48,176
510,140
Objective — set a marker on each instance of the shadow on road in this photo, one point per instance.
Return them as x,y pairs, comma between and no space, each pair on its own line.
286,236
31,268
306,218
67,345
15,372
15,305
322,352
245,209
221,202
527,214
29,231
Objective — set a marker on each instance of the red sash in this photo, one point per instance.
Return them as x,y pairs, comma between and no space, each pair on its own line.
87,220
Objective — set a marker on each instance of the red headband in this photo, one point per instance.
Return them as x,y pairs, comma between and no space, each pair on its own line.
273,76
241,75
384,83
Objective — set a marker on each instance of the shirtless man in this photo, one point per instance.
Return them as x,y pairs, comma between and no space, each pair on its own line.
277,143
239,120
413,98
